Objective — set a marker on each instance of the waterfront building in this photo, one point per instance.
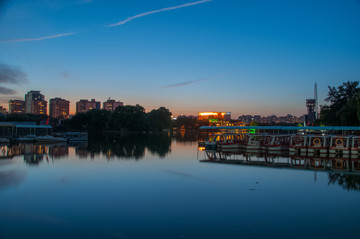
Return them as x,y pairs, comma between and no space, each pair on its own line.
35,103
17,129
59,108
17,107
111,105
212,116
83,106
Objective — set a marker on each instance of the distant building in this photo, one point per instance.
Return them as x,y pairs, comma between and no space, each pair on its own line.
83,106
311,113
227,116
247,119
2,110
111,105
35,103
257,118
59,108
17,107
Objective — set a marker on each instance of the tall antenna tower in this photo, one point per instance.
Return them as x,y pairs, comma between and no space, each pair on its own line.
316,101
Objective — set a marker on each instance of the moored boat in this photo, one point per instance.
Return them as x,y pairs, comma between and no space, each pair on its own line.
4,140
230,141
340,145
225,141
253,142
276,142
355,147
49,139
318,144
298,144
27,138
75,136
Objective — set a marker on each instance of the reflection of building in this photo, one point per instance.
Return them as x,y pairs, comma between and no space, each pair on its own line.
59,108
58,151
16,107
35,103
83,106
111,105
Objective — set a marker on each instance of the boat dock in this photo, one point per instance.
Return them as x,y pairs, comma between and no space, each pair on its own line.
334,141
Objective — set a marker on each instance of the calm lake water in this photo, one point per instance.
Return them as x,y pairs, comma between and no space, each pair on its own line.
157,186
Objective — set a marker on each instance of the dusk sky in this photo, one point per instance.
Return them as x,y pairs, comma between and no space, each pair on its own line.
240,56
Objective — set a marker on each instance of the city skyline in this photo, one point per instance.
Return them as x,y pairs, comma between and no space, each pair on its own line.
59,107
252,58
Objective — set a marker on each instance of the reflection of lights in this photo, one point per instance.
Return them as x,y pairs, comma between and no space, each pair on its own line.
201,148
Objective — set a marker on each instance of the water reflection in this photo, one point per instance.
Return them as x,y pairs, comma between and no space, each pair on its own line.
348,182
187,136
110,145
344,172
129,145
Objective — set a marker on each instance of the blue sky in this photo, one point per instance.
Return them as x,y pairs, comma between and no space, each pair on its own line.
245,57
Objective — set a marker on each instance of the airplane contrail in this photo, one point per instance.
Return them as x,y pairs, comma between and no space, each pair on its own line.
156,11
38,38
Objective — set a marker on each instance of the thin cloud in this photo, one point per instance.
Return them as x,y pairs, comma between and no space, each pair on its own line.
12,74
39,38
185,83
6,91
156,11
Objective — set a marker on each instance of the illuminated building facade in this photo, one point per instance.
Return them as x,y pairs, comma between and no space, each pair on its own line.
59,108
39,107
17,107
214,116
83,106
111,105
35,99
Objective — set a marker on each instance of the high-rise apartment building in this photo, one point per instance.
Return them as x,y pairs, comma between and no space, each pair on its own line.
17,107
111,105
35,103
59,108
83,106
39,107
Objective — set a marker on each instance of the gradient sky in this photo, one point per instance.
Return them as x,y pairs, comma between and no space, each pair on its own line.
240,56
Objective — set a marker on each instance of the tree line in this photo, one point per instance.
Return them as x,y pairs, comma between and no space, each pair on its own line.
344,107
125,118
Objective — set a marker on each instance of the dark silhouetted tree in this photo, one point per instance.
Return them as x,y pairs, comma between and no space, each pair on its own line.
160,119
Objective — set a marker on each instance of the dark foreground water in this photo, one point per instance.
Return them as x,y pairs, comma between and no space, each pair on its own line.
154,186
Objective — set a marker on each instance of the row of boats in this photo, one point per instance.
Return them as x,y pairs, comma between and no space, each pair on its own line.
56,138
340,145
